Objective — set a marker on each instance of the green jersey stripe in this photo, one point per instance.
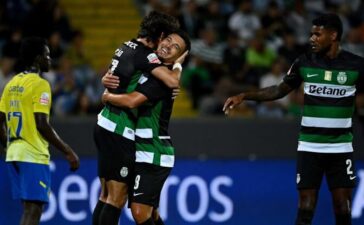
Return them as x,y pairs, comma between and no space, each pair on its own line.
326,138
328,112
318,75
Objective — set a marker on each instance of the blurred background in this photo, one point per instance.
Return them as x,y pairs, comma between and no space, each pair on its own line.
230,170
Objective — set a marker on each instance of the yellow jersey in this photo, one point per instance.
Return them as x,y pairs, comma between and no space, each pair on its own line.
24,95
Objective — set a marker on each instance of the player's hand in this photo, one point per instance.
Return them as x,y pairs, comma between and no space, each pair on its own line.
73,160
110,81
175,92
181,59
231,102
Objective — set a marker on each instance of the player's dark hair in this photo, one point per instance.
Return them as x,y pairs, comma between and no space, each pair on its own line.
330,21
185,38
31,47
156,23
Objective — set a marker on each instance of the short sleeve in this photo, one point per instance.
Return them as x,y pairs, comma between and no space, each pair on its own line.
152,88
147,61
293,77
42,97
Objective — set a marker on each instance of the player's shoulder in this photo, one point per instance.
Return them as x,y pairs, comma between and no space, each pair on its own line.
39,81
135,45
346,55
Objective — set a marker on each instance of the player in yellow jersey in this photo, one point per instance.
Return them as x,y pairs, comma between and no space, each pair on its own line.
26,132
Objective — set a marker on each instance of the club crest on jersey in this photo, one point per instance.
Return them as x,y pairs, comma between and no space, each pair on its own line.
153,58
44,98
124,171
342,78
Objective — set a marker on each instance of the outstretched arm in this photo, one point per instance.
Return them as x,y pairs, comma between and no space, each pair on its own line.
264,94
46,130
131,100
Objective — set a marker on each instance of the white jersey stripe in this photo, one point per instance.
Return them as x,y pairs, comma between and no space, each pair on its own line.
142,156
144,133
167,160
325,147
326,122
106,123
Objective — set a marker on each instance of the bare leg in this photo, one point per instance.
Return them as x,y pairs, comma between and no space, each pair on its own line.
342,205
306,206
32,212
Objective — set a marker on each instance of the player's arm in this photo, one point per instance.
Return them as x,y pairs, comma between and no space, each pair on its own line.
170,77
291,81
42,100
264,94
131,100
167,76
47,131
3,129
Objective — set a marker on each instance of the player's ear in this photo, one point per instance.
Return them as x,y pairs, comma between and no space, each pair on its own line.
333,36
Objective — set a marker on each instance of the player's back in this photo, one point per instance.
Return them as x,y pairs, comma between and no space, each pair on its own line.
24,95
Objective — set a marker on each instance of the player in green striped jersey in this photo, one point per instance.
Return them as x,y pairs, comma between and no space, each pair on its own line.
333,82
154,150
114,133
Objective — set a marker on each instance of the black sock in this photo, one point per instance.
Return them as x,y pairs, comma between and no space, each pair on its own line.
343,219
148,222
304,217
96,213
109,215
159,221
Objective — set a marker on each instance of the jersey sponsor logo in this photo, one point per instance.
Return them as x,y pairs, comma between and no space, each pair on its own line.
342,78
44,98
352,177
153,58
131,44
298,179
124,171
313,89
312,75
16,88
328,90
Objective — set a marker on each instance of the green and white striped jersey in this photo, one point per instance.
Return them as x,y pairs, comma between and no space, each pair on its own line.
330,87
153,143
128,63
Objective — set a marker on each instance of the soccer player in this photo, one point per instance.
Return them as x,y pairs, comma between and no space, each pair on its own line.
25,130
154,150
333,79
114,134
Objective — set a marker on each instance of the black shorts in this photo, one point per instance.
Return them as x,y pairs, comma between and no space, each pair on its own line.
337,167
148,183
116,156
